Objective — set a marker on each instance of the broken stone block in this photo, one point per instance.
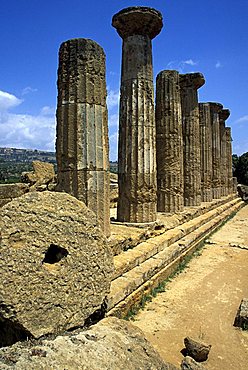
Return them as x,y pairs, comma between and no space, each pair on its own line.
43,173
197,350
55,265
241,319
189,363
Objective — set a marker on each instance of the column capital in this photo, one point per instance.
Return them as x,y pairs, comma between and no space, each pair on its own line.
138,20
215,107
224,114
195,80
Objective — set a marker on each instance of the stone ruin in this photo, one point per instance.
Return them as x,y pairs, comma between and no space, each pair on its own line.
180,156
55,265
173,153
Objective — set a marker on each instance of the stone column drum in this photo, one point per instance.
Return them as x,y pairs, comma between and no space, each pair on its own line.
82,146
206,152
169,142
189,84
137,139
229,160
223,115
215,109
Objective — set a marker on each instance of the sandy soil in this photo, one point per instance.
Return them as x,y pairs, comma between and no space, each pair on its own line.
202,302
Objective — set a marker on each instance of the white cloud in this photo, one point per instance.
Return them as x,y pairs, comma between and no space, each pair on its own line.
25,130
112,98
182,65
28,90
242,119
189,62
8,101
47,111
218,64
113,142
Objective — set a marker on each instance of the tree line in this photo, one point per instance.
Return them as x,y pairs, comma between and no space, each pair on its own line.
240,168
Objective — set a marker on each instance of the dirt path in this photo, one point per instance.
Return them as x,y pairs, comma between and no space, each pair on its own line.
203,300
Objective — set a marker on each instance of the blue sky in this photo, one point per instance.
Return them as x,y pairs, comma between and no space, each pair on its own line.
208,36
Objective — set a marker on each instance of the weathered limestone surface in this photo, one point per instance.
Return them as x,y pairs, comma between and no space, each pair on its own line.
189,83
223,115
55,265
137,139
206,152
215,109
169,142
112,344
82,146
189,363
229,160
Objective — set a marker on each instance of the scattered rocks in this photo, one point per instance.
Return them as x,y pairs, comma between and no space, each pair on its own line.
189,363
197,350
55,265
109,345
241,319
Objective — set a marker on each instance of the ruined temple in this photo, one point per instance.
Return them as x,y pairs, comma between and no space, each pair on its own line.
66,262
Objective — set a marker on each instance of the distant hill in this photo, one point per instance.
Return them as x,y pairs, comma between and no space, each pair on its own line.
26,155
14,161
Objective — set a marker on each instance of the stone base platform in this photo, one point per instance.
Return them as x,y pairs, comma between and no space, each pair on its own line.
144,257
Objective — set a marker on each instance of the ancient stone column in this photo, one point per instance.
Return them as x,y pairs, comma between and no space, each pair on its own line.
235,185
229,160
206,152
82,146
223,115
169,142
137,139
215,109
189,83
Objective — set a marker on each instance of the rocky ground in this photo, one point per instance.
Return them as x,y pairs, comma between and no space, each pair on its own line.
202,301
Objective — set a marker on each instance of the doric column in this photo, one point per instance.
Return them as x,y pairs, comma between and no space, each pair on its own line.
223,115
189,83
215,109
229,160
82,146
235,185
169,142
206,152
137,140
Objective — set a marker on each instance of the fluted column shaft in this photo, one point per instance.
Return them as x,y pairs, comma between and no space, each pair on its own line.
82,146
169,142
229,160
137,141
223,115
189,83
206,152
215,109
